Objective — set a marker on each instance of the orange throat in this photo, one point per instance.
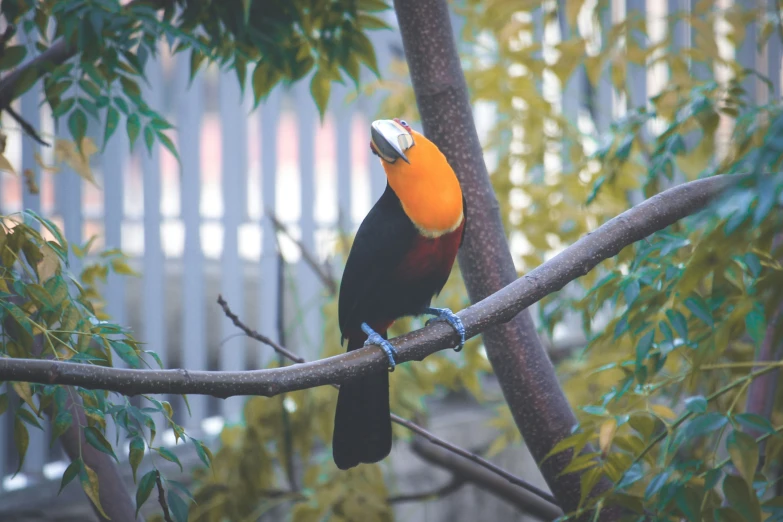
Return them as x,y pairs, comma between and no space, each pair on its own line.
428,189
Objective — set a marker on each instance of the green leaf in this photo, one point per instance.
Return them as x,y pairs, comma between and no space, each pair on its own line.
320,86
679,323
130,88
756,325
73,469
61,424
166,142
264,79
77,124
98,441
90,484
168,455
696,404
704,425
27,79
149,137
63,107
136,454
144,488
742,498
371,5
698,308
177,506
133,126
204,453
126,352
112,120
656,484
12,56
643,347
29,418
755,422
21,440
370,22
744,454
364,50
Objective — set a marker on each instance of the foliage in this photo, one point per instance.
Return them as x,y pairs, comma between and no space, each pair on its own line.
49,312
281,41
673,324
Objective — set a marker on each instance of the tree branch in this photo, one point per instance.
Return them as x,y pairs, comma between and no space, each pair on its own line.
486,480
415,428
649,216
450,487
162,497
320,270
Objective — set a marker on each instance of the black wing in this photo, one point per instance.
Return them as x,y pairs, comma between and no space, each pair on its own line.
383,239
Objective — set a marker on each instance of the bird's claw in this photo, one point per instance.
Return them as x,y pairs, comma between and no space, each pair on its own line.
444,314
375,338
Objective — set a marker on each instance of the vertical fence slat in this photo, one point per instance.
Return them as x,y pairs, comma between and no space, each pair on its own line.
774,52
637,74
603,103
701,71
307,284
153,306
189,118
114,168
343,129
746,53
234,180
268,287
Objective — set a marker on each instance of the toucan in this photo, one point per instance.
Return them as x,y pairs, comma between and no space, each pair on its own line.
401,258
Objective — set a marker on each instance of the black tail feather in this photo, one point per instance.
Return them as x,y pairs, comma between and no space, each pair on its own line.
362,423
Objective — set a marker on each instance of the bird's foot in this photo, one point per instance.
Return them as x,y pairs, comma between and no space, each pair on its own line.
374,337
444,314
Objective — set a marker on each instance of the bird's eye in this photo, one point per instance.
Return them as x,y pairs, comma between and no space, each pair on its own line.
403,123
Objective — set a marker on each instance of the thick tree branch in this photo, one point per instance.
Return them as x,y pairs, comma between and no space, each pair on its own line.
486,480
649,216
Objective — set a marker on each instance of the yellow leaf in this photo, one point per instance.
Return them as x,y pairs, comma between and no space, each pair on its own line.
606,434
66,151
49,264
46,168
663,411
29,178
618,74
572,11
6,165
25,393
89,480
594,66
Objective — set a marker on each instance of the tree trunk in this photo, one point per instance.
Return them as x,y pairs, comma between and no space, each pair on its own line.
525,373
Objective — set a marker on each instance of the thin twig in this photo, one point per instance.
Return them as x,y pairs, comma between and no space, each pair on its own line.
411,425
450,487
26,126
484,479
253,334
321,271
474,458
162,497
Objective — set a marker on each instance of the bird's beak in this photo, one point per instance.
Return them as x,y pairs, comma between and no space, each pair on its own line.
390,140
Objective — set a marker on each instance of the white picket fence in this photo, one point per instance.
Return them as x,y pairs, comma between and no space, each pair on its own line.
200,228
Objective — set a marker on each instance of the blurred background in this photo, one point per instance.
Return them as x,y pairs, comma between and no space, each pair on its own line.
203,226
